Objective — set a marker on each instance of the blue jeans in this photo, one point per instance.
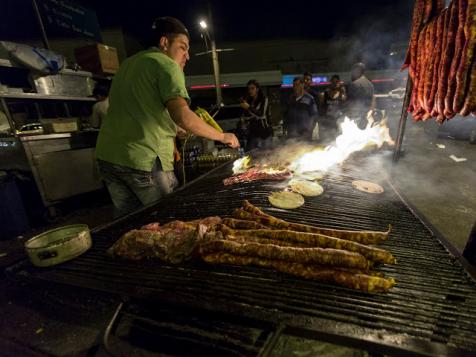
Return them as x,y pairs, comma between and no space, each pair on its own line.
131,189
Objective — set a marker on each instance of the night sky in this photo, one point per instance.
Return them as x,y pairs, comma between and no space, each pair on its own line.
236,20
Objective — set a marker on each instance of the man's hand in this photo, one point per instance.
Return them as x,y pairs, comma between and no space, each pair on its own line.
189,121
230,140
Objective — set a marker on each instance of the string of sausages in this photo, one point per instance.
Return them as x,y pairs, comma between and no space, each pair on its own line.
441,59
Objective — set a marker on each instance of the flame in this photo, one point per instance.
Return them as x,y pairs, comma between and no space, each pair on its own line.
241,165
352,139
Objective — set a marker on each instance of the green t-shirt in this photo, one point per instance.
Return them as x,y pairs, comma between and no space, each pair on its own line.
138,127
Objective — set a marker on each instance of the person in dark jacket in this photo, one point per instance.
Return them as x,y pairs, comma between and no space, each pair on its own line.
256,111
301,112
360,96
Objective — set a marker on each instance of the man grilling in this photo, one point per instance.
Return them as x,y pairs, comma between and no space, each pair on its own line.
148,99
360,95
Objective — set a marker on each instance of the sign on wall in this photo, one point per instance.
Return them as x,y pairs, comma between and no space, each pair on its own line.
66,18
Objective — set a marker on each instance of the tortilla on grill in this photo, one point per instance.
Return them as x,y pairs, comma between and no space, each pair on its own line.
367,186
306,188
286,200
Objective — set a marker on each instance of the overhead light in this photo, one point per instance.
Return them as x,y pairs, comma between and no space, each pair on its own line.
203,24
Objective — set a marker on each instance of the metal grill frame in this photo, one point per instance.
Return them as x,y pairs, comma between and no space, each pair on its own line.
300,325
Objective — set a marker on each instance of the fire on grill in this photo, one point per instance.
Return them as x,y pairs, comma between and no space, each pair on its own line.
305,161
253,237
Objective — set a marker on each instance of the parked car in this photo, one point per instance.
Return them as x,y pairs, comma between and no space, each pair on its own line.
31,128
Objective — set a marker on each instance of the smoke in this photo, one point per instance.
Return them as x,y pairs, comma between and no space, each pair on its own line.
380,40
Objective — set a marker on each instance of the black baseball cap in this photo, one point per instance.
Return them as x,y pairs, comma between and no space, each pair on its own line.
167,25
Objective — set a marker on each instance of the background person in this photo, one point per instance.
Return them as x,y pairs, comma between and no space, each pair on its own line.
99,110
300,117
256,111
360,95
331,107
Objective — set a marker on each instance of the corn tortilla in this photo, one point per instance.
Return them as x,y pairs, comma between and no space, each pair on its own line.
306,188
367,186
286,200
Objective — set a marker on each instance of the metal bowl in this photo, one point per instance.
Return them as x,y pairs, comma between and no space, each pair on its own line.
58,245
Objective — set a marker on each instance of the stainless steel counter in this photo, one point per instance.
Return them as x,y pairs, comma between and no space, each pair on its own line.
57,135
62,164
45,96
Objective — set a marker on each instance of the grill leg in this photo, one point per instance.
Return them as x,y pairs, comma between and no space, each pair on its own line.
272,341
111,327
470,250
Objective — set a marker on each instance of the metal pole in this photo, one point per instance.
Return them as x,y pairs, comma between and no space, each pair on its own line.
216,66
403,119
42,27
216,73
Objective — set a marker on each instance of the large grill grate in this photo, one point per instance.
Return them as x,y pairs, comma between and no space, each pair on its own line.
431,310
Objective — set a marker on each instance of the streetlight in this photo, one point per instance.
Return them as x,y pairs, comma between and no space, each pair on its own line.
216,68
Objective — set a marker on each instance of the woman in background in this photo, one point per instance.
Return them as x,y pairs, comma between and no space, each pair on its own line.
256,111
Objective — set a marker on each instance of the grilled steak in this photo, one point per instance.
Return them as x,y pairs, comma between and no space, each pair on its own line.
254,174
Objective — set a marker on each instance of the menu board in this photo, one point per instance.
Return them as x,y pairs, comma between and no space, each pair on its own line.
66,18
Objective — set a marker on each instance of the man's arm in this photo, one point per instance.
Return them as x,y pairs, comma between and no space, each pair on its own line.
187,119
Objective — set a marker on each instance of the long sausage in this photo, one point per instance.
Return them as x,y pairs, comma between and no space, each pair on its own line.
428,74
330,257
463,75
316,240
470,101
410,57
358,281
444,17
433,87
446,60
363,237
460,5
242,224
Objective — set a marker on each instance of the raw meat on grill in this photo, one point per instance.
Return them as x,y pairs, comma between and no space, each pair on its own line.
255,174
173,242
242,224
264,243
352,280
253,213
316,240
253,239
173,246
331,257
207,222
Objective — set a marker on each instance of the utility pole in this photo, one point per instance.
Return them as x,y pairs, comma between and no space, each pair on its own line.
216,66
